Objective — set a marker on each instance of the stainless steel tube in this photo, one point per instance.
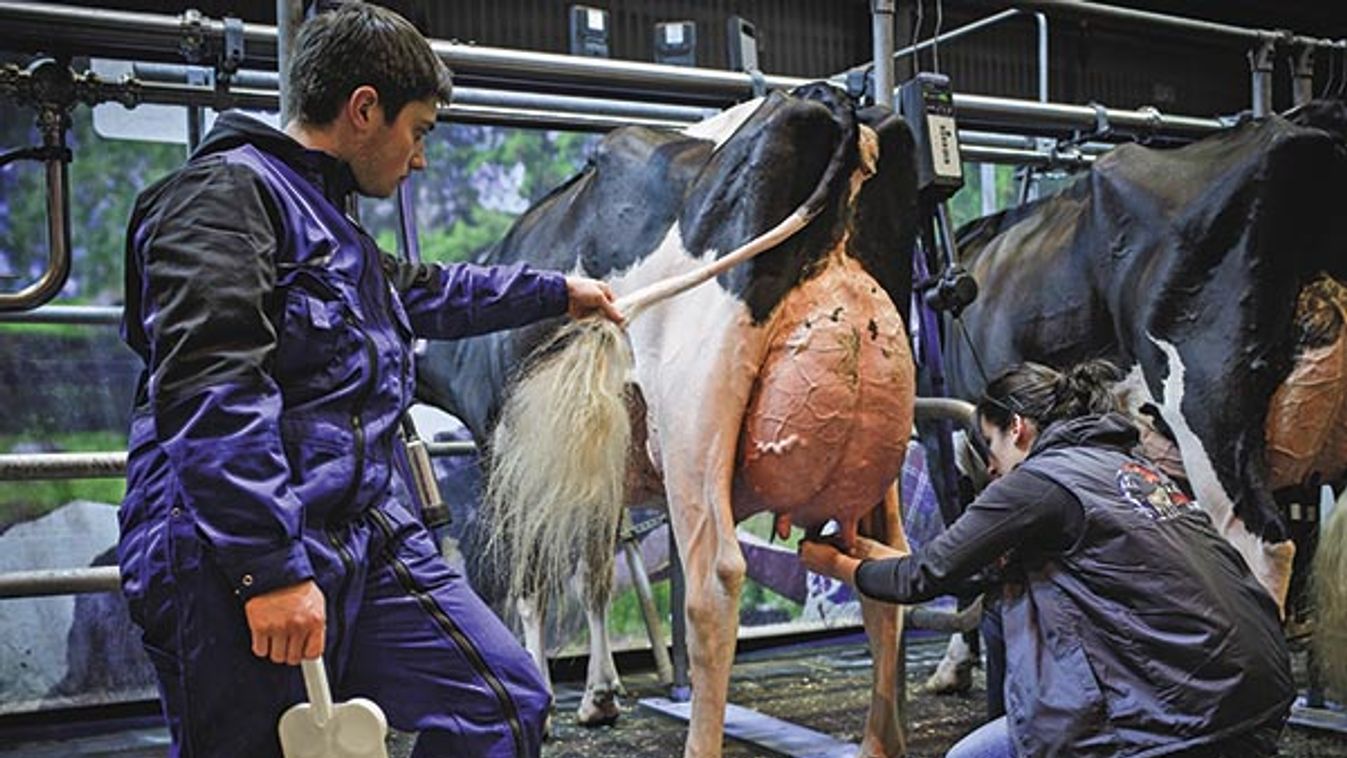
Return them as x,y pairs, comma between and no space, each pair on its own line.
445,449
57,271
958,411
46,582
985,112
289,15
1214,28
1013,157
34,466
66,314
881,15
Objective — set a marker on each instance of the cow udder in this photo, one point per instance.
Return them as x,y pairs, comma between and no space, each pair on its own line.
1307,418
828,421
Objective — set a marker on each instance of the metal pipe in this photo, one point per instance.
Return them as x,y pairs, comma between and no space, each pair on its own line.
45,582
921,617
881,14
167,93
289,15
1260,69
19,467
478,96
1013,157
1026,116
526,69
1020,142
65,314
958,411
52,122
1302,76
113,33
981,112
121,34
1042,22
956,33
640,580
33,466
449,449
1216,28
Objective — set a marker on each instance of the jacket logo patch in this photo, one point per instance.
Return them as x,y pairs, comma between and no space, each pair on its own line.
1151,493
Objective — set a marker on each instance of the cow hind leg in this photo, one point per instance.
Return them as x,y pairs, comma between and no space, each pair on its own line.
532,618
884,628
600,705
714,568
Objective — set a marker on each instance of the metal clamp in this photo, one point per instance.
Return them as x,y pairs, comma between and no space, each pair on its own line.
192,46
1154,120
1101,122
231,57
759,82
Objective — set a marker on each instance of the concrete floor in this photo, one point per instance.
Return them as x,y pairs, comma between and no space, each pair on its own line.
819,687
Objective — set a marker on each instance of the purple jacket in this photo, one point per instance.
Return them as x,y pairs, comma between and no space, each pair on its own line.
277,340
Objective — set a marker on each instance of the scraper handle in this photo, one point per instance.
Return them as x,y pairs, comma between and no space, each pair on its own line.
315,682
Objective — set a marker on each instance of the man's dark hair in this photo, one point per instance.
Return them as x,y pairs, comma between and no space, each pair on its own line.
359,44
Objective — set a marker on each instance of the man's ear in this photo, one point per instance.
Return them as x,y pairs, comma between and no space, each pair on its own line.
362,107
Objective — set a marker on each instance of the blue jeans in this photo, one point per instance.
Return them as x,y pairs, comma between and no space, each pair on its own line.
991,740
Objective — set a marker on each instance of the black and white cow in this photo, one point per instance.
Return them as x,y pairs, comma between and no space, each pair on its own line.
1198,271
786,384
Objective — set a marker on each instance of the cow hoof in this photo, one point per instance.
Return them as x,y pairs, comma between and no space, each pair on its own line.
951,678
599,708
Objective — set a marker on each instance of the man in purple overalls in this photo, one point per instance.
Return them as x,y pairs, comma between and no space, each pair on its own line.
259,526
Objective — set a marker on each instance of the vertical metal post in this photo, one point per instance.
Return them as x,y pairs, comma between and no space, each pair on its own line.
1042,21
53,122
640,580
1260,68
681,691
882,13
289,15
987,178
1302,75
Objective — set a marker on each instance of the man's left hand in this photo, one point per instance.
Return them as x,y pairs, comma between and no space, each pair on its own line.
590,296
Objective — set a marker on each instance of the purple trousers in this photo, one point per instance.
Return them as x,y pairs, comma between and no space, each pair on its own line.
403,630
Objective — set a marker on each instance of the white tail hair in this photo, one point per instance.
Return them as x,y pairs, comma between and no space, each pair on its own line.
558,457
556,474
1329,585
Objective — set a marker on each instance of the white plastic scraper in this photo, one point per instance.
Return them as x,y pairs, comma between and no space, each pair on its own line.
323,729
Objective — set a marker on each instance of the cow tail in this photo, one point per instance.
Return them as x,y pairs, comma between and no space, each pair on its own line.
1329,581
556,473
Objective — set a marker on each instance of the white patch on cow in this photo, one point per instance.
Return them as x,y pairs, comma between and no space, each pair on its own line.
720,127
777,447
1211,495
1133,391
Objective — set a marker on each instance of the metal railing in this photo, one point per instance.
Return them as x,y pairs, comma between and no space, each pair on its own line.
112,464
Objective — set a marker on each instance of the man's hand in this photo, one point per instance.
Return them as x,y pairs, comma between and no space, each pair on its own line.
589,296
288,624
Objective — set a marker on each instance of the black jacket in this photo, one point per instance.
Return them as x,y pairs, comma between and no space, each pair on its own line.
1132,628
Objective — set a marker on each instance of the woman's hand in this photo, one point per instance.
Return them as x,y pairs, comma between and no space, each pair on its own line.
827,557
869,550
588,296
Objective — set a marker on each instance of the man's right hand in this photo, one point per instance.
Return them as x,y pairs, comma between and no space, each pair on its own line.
288,624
